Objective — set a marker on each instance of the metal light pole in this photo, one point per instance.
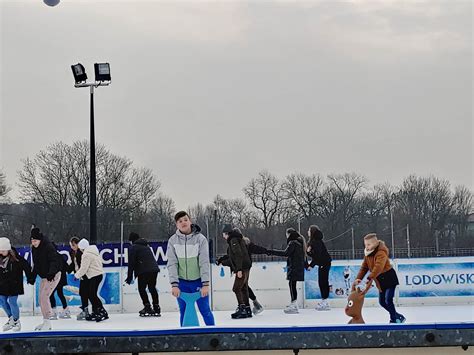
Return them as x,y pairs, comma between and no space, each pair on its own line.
408,241
393,239
102,78
353,244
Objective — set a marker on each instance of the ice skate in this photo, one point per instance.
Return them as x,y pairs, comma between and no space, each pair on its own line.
147,311
241,313
8,325
102,315
65,314
292,308
248,310
46,325
53,315
16,325
157,310
323,306
257,307
83,315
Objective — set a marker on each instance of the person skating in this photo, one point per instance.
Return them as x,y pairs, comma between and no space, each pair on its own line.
142,264
240,264
91,266
47,265
12,267
252,249
319,256
188,265
76,257
65,313
377,263
296,263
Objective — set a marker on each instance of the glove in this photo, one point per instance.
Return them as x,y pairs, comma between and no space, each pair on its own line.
50,277
128,281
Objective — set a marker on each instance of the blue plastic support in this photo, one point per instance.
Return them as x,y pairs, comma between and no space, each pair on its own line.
190,318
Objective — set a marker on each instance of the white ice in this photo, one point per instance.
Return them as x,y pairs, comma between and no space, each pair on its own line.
269,318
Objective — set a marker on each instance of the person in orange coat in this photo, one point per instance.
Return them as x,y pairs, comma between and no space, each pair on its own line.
377,263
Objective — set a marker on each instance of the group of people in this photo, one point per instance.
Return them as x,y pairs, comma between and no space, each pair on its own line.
51,269
188,268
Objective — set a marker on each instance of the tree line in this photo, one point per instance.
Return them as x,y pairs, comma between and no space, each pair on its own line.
54,194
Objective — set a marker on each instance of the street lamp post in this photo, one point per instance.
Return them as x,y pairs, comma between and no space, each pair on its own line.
102,78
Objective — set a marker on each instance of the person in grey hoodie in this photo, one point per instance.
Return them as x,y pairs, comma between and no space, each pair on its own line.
91,266
188,265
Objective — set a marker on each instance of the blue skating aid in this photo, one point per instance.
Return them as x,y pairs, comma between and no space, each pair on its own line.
222,274
190,318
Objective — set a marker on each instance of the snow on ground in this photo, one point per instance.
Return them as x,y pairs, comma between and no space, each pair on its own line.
269,318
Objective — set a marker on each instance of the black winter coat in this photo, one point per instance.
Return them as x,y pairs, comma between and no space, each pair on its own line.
77,256
251,248
11,277
140,259
296,261
239,257
47,262
318,253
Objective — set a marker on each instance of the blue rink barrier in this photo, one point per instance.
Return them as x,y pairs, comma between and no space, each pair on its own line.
243,338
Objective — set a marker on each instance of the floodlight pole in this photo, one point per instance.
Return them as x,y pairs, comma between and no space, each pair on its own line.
93,179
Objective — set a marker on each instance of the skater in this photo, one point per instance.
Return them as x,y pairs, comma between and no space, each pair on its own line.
240,264
296,262
65,313
142,263
91,266
76,257
252,249
320,256
47,265
188,265
377,262
12,267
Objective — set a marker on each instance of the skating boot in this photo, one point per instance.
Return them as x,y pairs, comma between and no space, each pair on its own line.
147,311
53,315
248,310
157,310
91,317
323,306
102,315
8,325
257,307
241,313
292,308
16,325
46,325
83,315
65,314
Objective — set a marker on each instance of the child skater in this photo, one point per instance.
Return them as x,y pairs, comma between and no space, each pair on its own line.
377,262
76,258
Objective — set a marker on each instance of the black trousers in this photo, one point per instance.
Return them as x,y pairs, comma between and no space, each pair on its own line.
84,292
293,291
148,280
59,290
252,295
94,283
323,280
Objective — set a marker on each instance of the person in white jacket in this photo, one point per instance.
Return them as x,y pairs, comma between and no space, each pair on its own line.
91,266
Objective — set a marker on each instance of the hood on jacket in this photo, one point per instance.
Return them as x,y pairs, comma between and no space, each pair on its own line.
195,229
316,233
141,241
92,249
294,236
234,234
381,247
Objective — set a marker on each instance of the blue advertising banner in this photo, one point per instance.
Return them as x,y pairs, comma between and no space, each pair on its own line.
436,279
111,253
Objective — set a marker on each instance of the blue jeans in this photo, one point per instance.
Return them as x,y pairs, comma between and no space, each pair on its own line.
10,306
386,301
202,303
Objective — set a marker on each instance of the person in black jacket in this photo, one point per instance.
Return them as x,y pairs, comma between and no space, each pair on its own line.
319,256
252,249
47,265
240,264
76,256
296,253
12,267
142,263
59,290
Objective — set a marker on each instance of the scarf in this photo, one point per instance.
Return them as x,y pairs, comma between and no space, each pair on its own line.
4,261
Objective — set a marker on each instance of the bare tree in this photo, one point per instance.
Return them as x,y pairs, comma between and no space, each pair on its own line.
266,194
4,189
304,193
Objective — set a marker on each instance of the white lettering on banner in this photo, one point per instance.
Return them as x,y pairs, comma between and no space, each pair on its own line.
458,279
159,251
118,255
106,251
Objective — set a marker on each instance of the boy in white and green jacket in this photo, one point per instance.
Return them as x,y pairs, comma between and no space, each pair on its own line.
188,265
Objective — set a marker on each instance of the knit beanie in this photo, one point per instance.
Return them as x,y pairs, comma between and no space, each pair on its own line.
133,237
36,234
5,244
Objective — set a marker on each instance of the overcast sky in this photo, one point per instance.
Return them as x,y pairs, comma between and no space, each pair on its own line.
209,93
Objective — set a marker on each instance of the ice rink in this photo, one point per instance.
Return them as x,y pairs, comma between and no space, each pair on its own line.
269,318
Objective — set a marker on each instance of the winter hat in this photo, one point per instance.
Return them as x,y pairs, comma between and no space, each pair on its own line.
83,243
133,237
227,228
5,244
36,234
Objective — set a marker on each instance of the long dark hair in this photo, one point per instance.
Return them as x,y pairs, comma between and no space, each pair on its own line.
315,233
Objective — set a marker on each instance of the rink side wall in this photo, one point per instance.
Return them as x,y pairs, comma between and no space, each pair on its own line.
428,281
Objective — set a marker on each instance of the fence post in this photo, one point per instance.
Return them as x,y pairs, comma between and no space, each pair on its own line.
353,245
408,241
393,239
121,265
